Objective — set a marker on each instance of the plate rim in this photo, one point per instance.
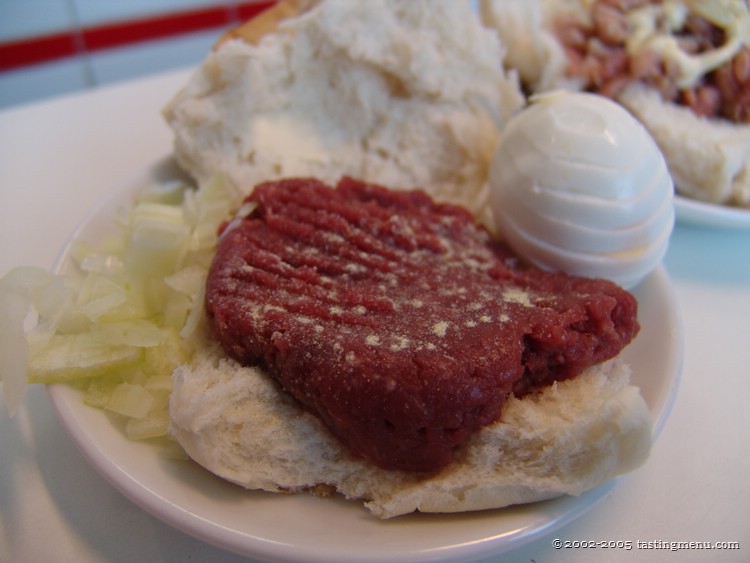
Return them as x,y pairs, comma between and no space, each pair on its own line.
564,509
697,212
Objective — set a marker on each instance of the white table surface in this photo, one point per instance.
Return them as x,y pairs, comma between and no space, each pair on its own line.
59,157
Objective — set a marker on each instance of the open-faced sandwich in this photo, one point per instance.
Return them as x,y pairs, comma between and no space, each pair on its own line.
312,330
380,344
682,67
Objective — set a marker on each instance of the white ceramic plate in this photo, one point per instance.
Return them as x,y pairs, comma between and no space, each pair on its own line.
305,528
711,215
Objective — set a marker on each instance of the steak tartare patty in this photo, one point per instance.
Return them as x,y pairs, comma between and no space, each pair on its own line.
398,321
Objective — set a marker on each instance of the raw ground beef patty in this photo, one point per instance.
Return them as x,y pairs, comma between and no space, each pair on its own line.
399,322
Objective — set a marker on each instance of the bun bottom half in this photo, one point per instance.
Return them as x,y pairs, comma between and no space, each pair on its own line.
235,422
709,159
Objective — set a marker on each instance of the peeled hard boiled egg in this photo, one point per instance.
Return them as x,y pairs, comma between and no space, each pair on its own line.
578,185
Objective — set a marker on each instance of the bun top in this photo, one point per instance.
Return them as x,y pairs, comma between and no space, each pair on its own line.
253,30
406,94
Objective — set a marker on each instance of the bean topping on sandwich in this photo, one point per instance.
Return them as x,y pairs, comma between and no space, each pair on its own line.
695,54
396,320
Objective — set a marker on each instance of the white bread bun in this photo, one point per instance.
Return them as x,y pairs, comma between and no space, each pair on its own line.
533,51
709,159
405,94
238,424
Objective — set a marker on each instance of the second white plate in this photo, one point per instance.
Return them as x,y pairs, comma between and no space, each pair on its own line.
711,215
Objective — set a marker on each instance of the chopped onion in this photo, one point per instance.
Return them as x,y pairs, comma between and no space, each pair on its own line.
196,313
121,320
99,295
153,425
188,281
65,357
134,332
130,400
170,192
158,240
18,288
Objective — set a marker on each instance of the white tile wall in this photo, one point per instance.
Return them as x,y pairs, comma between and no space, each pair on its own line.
28,18
94,12
151,57
26,85
24,18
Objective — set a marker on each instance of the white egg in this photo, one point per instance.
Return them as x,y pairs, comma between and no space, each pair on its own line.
578,185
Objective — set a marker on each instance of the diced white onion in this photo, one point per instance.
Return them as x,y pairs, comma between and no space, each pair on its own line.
130,400
121,321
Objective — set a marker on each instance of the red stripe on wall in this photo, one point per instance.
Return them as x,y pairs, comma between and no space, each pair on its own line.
35,50
31,51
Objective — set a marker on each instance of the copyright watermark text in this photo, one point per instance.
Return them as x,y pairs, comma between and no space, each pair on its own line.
628,545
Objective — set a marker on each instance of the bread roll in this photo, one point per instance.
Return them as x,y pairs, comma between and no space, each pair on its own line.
405,94
253,30
709,159
577,434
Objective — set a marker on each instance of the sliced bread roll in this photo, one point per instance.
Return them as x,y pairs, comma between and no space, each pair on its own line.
404,94
575,435
253,30
709,159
